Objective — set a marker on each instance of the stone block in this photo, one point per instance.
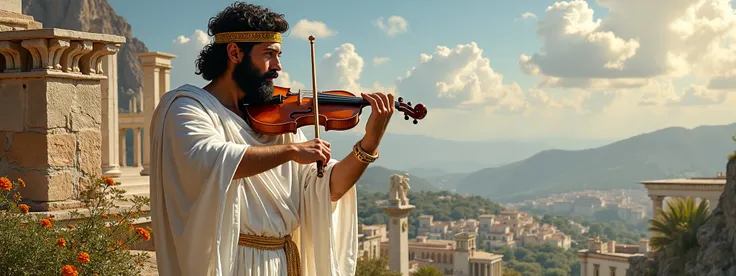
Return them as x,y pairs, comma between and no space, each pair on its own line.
50,103
12,105
14,6
62,149
44,186
38,150
87,110
28,150
90,152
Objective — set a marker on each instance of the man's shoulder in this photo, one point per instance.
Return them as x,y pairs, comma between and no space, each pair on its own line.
185,96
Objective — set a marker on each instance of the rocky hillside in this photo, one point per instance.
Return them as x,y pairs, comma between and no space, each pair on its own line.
717,238
95,16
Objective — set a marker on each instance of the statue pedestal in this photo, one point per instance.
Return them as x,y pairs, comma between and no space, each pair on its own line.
398,235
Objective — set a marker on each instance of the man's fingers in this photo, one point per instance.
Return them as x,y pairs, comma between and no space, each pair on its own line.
391,107
381,102
372,99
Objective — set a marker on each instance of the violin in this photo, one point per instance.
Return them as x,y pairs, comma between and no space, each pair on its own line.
338,110
287,111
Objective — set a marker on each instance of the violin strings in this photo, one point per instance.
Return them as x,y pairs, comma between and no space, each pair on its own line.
336,98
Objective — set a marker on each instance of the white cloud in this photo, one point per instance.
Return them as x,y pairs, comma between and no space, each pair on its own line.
636,41
341,69
186,49
460,77
304,28
526,15
380,60
284,80
393,25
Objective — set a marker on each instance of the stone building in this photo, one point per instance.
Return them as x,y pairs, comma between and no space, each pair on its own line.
609,258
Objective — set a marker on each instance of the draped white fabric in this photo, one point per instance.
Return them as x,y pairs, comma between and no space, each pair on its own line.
198,211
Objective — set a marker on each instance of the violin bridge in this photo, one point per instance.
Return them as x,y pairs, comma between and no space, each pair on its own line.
300,96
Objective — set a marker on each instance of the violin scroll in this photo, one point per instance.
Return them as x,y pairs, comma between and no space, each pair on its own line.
417,112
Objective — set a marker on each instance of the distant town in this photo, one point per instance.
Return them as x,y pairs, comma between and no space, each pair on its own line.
628,203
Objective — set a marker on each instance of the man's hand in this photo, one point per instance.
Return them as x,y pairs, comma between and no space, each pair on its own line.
312,151
382,109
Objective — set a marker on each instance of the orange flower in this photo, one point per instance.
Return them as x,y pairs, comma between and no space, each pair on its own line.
24,208
61,242
22,183
144,233
83,257
105,216
46,222
109,181
69,270
5,184
17,196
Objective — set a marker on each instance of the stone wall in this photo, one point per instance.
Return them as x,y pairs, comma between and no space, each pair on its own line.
717,238
50,134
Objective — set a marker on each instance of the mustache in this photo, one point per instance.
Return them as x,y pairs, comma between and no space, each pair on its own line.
270,74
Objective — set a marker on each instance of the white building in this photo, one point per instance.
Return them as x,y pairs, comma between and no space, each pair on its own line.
609,259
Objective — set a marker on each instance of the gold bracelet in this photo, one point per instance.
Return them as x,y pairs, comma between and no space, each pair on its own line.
362,155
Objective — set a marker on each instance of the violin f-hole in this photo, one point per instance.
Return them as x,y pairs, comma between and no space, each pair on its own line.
308,111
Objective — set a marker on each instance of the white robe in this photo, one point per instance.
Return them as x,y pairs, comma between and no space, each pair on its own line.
198,211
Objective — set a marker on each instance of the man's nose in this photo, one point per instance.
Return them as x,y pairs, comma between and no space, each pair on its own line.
276,65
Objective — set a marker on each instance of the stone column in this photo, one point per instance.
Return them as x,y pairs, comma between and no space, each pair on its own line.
137,147
51,108
110,145
123,148
656,204
155,82
398,231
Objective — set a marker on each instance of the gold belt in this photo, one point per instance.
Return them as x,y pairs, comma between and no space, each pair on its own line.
270,243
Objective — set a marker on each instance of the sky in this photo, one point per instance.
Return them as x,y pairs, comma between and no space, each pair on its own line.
493,70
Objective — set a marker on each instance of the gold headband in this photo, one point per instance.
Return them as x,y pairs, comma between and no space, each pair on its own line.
248,37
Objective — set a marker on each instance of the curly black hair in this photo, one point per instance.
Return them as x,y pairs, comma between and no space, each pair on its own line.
238,17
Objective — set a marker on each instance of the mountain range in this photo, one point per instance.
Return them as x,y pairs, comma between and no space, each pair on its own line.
673,152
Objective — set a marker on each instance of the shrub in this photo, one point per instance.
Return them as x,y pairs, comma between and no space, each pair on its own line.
35,244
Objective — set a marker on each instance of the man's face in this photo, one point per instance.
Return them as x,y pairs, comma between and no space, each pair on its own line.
255,75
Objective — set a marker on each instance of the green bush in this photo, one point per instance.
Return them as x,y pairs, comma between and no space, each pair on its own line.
35,244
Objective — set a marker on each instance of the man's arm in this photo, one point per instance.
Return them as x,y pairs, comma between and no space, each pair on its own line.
347,172
258,159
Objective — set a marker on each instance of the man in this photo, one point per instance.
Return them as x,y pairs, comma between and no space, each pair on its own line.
226,200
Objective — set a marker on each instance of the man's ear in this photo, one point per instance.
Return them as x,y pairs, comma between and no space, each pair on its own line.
233,53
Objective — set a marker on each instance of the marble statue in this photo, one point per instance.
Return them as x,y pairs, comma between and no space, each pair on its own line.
394,187
398,189
404,189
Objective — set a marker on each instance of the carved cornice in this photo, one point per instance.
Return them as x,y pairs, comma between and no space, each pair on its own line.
57,52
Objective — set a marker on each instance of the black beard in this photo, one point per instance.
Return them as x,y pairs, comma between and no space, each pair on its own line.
257,89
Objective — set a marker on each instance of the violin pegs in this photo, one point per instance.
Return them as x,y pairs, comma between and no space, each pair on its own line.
415,121
406,117
409,103
401,99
